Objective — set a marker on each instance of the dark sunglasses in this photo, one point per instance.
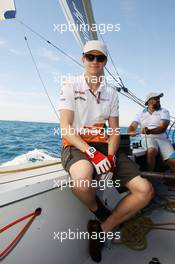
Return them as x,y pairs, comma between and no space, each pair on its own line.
92,57
156,98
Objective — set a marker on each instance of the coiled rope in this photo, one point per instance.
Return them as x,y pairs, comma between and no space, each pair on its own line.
134,231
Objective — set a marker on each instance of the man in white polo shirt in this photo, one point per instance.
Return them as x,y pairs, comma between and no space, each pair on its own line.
87,103
154,121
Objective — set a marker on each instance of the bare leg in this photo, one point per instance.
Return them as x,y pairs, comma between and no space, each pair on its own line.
171,164
81,173
171,182
151,158
141,192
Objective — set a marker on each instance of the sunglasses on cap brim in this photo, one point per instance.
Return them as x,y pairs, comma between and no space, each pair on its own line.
92,57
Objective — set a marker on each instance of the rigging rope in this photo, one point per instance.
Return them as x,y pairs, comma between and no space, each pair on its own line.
39,75
134,231
120,82
49,42
30,168
32,217
126,92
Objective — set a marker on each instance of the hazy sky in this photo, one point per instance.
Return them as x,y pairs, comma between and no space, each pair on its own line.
143,51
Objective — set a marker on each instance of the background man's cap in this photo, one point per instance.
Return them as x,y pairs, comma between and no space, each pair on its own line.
95,45
152,95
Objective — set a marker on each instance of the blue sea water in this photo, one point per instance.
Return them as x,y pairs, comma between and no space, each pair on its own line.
24,142
28,141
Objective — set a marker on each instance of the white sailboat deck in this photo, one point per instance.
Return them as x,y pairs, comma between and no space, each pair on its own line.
18,183
35,188
160,244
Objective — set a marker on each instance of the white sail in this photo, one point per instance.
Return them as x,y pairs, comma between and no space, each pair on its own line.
7,9
80,18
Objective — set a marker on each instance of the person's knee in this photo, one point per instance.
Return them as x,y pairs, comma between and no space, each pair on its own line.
171,164
82,169
151,151
81,174
142,187
147,191
82,185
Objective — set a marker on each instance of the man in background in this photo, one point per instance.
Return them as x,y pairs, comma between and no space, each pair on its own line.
154,121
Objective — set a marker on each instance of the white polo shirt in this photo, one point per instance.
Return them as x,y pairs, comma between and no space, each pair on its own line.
146,119
91,111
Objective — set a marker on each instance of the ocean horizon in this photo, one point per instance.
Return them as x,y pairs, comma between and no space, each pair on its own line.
26,142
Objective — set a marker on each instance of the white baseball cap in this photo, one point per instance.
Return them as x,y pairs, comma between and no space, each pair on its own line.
95,45
152,95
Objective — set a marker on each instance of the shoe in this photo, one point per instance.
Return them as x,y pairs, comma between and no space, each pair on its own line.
95,244
102,213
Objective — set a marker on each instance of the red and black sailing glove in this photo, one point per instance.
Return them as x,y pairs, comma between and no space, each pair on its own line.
108,176
112,160
99,160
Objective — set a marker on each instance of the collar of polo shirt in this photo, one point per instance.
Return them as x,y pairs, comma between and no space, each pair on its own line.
86,86
146,109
